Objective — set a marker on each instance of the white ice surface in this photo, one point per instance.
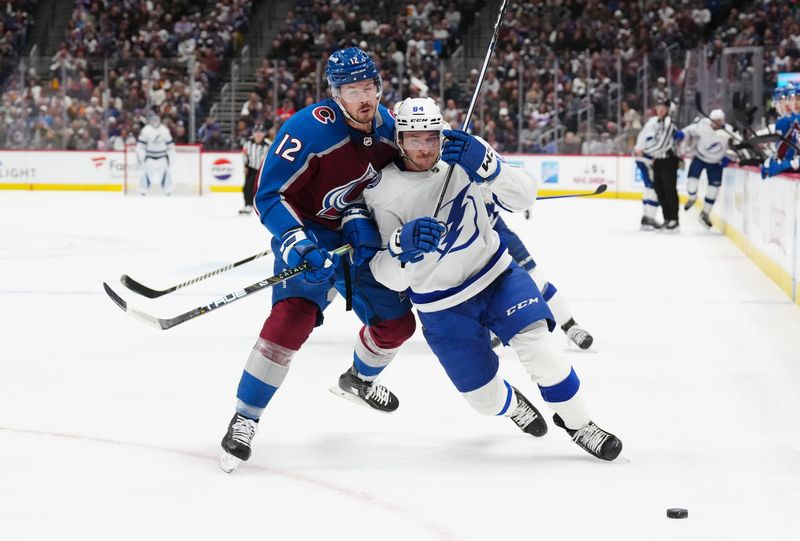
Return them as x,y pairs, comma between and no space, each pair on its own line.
110,429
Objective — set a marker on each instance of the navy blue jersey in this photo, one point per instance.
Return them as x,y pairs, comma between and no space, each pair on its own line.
318,165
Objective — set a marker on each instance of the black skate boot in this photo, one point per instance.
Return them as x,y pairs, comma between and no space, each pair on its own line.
366,393
236,443
650,224
705,220
577,334
672,226
690,203
593,439
527,417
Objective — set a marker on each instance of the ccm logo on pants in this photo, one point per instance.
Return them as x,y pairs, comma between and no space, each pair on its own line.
521,305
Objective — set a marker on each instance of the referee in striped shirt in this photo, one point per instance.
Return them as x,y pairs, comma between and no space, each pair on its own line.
660,145
253,151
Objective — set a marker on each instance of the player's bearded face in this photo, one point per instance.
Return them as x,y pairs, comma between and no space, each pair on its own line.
360,99
422,148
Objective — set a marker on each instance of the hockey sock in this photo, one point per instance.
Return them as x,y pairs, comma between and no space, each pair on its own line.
284,332
377,345
691,187
565,399
496,397
557,303
711,198
649,202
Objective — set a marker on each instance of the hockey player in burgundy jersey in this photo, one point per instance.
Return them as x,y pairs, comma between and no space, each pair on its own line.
309,198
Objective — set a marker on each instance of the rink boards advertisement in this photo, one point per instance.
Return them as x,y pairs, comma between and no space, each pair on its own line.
761,217
112,170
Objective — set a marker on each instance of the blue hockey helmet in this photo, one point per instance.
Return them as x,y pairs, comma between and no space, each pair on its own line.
350,65
790,90
778,94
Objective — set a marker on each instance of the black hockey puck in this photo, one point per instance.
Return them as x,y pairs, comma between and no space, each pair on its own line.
677,512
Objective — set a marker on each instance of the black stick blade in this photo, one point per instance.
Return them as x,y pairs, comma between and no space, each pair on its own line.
142,289
601,189
698,101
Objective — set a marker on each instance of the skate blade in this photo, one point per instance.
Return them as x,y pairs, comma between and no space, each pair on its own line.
572,347
228,463
353,398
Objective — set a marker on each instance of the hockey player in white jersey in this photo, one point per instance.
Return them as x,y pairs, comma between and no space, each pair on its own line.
710,143
462,279
155,152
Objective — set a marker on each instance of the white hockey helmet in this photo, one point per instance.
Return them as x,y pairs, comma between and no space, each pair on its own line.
418,114
717,115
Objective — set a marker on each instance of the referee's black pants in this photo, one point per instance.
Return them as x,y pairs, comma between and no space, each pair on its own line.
665,183
249,189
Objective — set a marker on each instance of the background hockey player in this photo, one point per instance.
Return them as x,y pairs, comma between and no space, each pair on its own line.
254,149
786,159
709,140
462,279
655,142
309,198
553,297
155,152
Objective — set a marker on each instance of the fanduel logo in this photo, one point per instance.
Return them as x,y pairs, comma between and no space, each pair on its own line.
521,305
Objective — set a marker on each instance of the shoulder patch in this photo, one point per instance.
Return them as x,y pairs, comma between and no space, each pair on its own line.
324,114
375,180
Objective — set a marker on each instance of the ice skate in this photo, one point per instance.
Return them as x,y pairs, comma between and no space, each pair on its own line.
650,224
247,209
236,443
593,439
578,335
672,226
690,203
527,417
366,393
705,220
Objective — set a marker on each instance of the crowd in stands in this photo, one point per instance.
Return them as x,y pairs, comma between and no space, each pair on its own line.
119,60
564,57
16,20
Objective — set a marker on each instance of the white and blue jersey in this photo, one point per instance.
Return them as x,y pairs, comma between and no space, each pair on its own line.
470,255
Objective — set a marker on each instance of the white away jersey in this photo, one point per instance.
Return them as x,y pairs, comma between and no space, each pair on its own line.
470,255
707,143
155,142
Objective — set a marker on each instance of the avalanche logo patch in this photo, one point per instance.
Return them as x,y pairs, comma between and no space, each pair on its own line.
324,115
336,200
222,169
462,218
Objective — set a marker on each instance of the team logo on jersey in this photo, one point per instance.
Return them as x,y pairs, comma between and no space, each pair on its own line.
336,200
324,114
713,147
462,218
222,169
367,141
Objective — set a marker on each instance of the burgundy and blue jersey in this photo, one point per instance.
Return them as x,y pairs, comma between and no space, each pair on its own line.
318,165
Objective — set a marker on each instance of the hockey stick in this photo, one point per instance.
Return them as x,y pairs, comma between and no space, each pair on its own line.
600,189
740,112
475,95
168,323
142,289
698,98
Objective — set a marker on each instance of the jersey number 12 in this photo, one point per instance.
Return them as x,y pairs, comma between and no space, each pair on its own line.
289,153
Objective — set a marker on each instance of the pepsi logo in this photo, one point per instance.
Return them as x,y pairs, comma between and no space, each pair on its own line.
222,169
